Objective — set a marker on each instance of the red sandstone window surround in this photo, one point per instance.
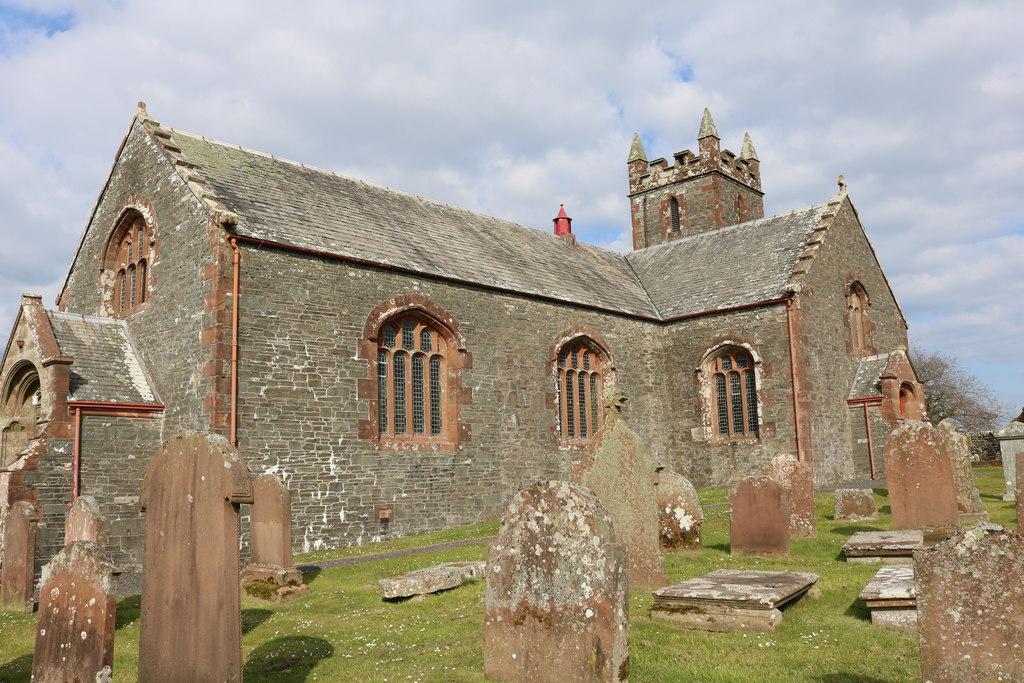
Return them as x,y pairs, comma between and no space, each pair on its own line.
733,395
581,371
856,306
129,255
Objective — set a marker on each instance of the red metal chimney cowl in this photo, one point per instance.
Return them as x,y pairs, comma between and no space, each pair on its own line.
563,224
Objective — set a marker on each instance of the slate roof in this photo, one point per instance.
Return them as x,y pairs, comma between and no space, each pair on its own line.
288,203
106,365
866,382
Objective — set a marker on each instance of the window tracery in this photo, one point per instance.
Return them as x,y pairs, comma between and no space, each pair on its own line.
581,369
733,395
856,306
412,357
129,256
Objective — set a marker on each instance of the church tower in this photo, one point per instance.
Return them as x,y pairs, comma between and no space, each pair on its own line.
699,193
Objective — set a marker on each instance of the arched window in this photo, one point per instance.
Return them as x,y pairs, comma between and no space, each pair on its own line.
742,209
733,394
674,214
129,255
581,370
412,389
856,306
19,411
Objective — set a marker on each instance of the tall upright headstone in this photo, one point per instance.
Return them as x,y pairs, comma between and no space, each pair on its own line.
191,612
16,585
1011,442
619,469
680,514
271,540
77,614
797,480
759,518
84,522
958,447
970,605
1019,501
921,489
557,601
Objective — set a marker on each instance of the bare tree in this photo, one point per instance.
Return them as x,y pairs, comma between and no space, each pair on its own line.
953,393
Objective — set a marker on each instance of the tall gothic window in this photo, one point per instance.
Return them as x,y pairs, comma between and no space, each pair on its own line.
129,255
733,395
856,306
581,371
412,358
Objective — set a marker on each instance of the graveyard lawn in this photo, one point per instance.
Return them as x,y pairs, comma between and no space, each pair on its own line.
343,631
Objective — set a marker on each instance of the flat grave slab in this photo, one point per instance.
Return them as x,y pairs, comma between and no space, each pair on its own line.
890,547
430,580
892,599
731,600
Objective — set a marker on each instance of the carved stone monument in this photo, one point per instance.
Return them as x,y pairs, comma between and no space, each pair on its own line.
271,518
77,608
855,505
557,590
970,603
797,480
680,514
958,446
16,585
1011,442
85,523
921,489
618,468
759,519
191,613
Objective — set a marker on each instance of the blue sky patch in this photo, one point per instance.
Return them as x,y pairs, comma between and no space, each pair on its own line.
15,22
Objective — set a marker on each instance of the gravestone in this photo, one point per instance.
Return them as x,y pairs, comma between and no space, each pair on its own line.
1011,442
892,598
855,505
797,480
921,489
85,523
1019,504
759,518
970,603
77,603
556,606
430,579
958,446
191,612
16,585
271,546
680,514
618,468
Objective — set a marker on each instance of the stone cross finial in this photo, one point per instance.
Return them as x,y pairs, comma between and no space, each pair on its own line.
842,184
613,401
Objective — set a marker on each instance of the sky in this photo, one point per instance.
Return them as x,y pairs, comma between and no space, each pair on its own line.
511,109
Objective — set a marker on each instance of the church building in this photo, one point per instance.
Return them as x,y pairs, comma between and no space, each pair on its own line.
406,366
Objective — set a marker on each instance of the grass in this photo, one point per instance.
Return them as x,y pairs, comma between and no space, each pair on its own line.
343,631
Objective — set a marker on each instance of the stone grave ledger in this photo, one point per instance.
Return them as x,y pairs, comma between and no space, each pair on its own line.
430,580
889,547
797,480
731,600
77,608
556,605
970,602
191,602
759,518
855,505
891,597
18,570
922,493
679,513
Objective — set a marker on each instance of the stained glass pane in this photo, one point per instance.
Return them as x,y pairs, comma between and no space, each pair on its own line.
736,394
741,361
722,405
382,392
561,357
595,416
751,403
138,241
123,286
408,338
583,405
435,396
388,336
417,395
131,290
570,404
399,378
426,342
142,281
575,355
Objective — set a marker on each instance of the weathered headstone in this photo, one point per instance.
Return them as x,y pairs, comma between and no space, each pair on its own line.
618,468
84,522
75,630
797,480
1019,504
16,585
1011,442
680,514
557,590
970,603
759,519
855,505
892,599
191,613
272,568
958,446
430,579
921,490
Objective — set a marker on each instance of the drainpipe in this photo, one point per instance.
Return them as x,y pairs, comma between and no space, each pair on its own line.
76,461
792,367
235,261
871,444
